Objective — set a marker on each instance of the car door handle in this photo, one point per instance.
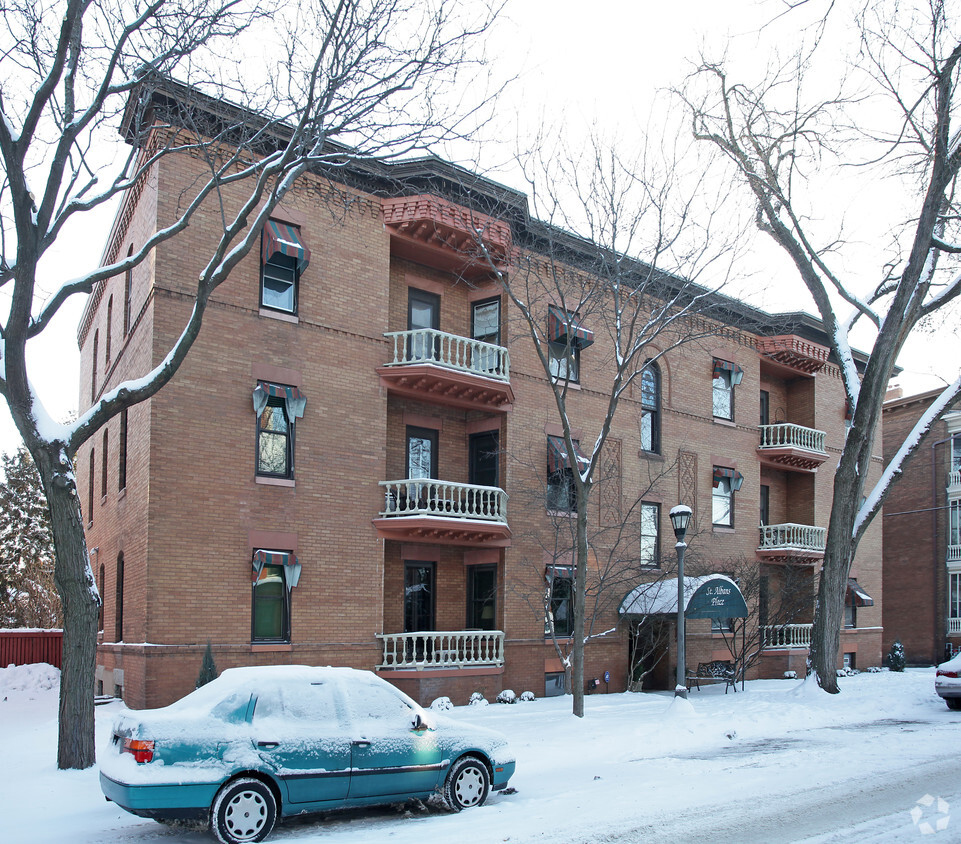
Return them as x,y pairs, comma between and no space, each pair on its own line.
362,743
268,744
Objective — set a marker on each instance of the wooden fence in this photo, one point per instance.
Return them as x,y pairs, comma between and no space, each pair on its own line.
25,647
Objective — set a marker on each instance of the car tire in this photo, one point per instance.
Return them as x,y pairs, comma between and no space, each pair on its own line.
468,784
243,811
953,702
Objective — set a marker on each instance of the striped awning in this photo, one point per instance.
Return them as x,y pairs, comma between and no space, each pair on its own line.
279,237
726,366
563,327
735,477
294,400
856,596
263,558
557,458
559,573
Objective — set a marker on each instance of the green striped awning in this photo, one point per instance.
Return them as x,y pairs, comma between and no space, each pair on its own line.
279,237
563,327
557,457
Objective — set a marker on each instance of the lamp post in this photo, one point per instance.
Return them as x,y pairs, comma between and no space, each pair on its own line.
680,518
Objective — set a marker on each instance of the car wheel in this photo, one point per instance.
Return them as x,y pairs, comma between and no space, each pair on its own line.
467,785
243,810
953,702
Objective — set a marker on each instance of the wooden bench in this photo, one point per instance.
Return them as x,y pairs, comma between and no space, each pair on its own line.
717,671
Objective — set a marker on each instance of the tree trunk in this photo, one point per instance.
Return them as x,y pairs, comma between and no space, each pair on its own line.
580,602
81,609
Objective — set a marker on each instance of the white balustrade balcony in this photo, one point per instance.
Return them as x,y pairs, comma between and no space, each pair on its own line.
423,509
954,625
786,636
954,483
792,447
442,649
954,553
792,542
448,369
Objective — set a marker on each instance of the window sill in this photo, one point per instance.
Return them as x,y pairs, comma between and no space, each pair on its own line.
729,423
291,318
651,455
122,494
103,500
570,385
564,514
288,482
278,647
721,529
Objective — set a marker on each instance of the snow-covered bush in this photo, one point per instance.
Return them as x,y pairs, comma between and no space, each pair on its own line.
442,704
896,656
527,696
477,699
507,696
875,669
790,675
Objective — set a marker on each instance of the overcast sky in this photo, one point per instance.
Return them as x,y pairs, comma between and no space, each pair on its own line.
578,64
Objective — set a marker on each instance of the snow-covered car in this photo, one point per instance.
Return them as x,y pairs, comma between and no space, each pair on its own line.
258,744
947,681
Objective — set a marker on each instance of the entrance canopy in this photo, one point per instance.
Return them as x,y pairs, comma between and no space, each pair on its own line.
708,596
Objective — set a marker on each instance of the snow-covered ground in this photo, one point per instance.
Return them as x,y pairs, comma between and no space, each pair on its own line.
780,762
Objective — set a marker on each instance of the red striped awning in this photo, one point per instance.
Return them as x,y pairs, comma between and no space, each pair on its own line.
557,458
856,596
563,327
263,558
726,366
735,477
559,572
279,237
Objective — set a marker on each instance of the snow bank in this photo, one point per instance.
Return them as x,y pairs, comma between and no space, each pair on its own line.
29,678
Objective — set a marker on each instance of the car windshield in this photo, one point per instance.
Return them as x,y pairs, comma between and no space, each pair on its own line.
226,704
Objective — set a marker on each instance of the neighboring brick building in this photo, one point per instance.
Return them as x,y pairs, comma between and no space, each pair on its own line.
326,479
922,535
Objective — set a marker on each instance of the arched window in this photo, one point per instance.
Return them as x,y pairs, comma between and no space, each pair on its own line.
103,466
651,408
102,600
93,366
127,296
106,340
118,617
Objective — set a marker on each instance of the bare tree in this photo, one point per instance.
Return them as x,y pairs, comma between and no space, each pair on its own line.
894,126
637,309
379,76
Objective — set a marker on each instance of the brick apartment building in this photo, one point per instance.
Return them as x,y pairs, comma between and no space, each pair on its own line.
358,463
922,535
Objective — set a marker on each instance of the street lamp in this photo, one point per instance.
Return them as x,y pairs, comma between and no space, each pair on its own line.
680,518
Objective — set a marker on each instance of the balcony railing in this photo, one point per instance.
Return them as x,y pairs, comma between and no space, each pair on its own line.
425,345
954,625
792,539
786,435
954,553
426,497
449,649
786,636
954,481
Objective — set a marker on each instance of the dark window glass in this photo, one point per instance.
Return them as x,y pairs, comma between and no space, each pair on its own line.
118,618
650,534
278,289
271,616
103,466
418,596
765,407
765,504
484,459
90,485
106,351
561,492
481,597
562,607
275,441
565,362
122,453
651,409
423,317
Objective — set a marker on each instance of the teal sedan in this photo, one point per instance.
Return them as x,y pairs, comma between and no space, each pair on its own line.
259,744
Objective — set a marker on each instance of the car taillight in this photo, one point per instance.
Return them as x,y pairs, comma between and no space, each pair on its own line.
142,750
953,674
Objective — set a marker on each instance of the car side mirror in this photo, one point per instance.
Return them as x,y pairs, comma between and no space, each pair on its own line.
419,723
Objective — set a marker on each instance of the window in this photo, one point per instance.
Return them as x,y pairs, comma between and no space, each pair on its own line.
103,467
122,453
275,441
561,489
483,458
560,582
271,602
650,535
566,337
954,523
91,477
765,504
423,319
486,327
277,407
722,625
765,408
954,595
127,296
850,613
956,453
727,376
564,362
651,408
101,581
481,597
106,351
722,503
93,366
283,258
118,618
419,577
